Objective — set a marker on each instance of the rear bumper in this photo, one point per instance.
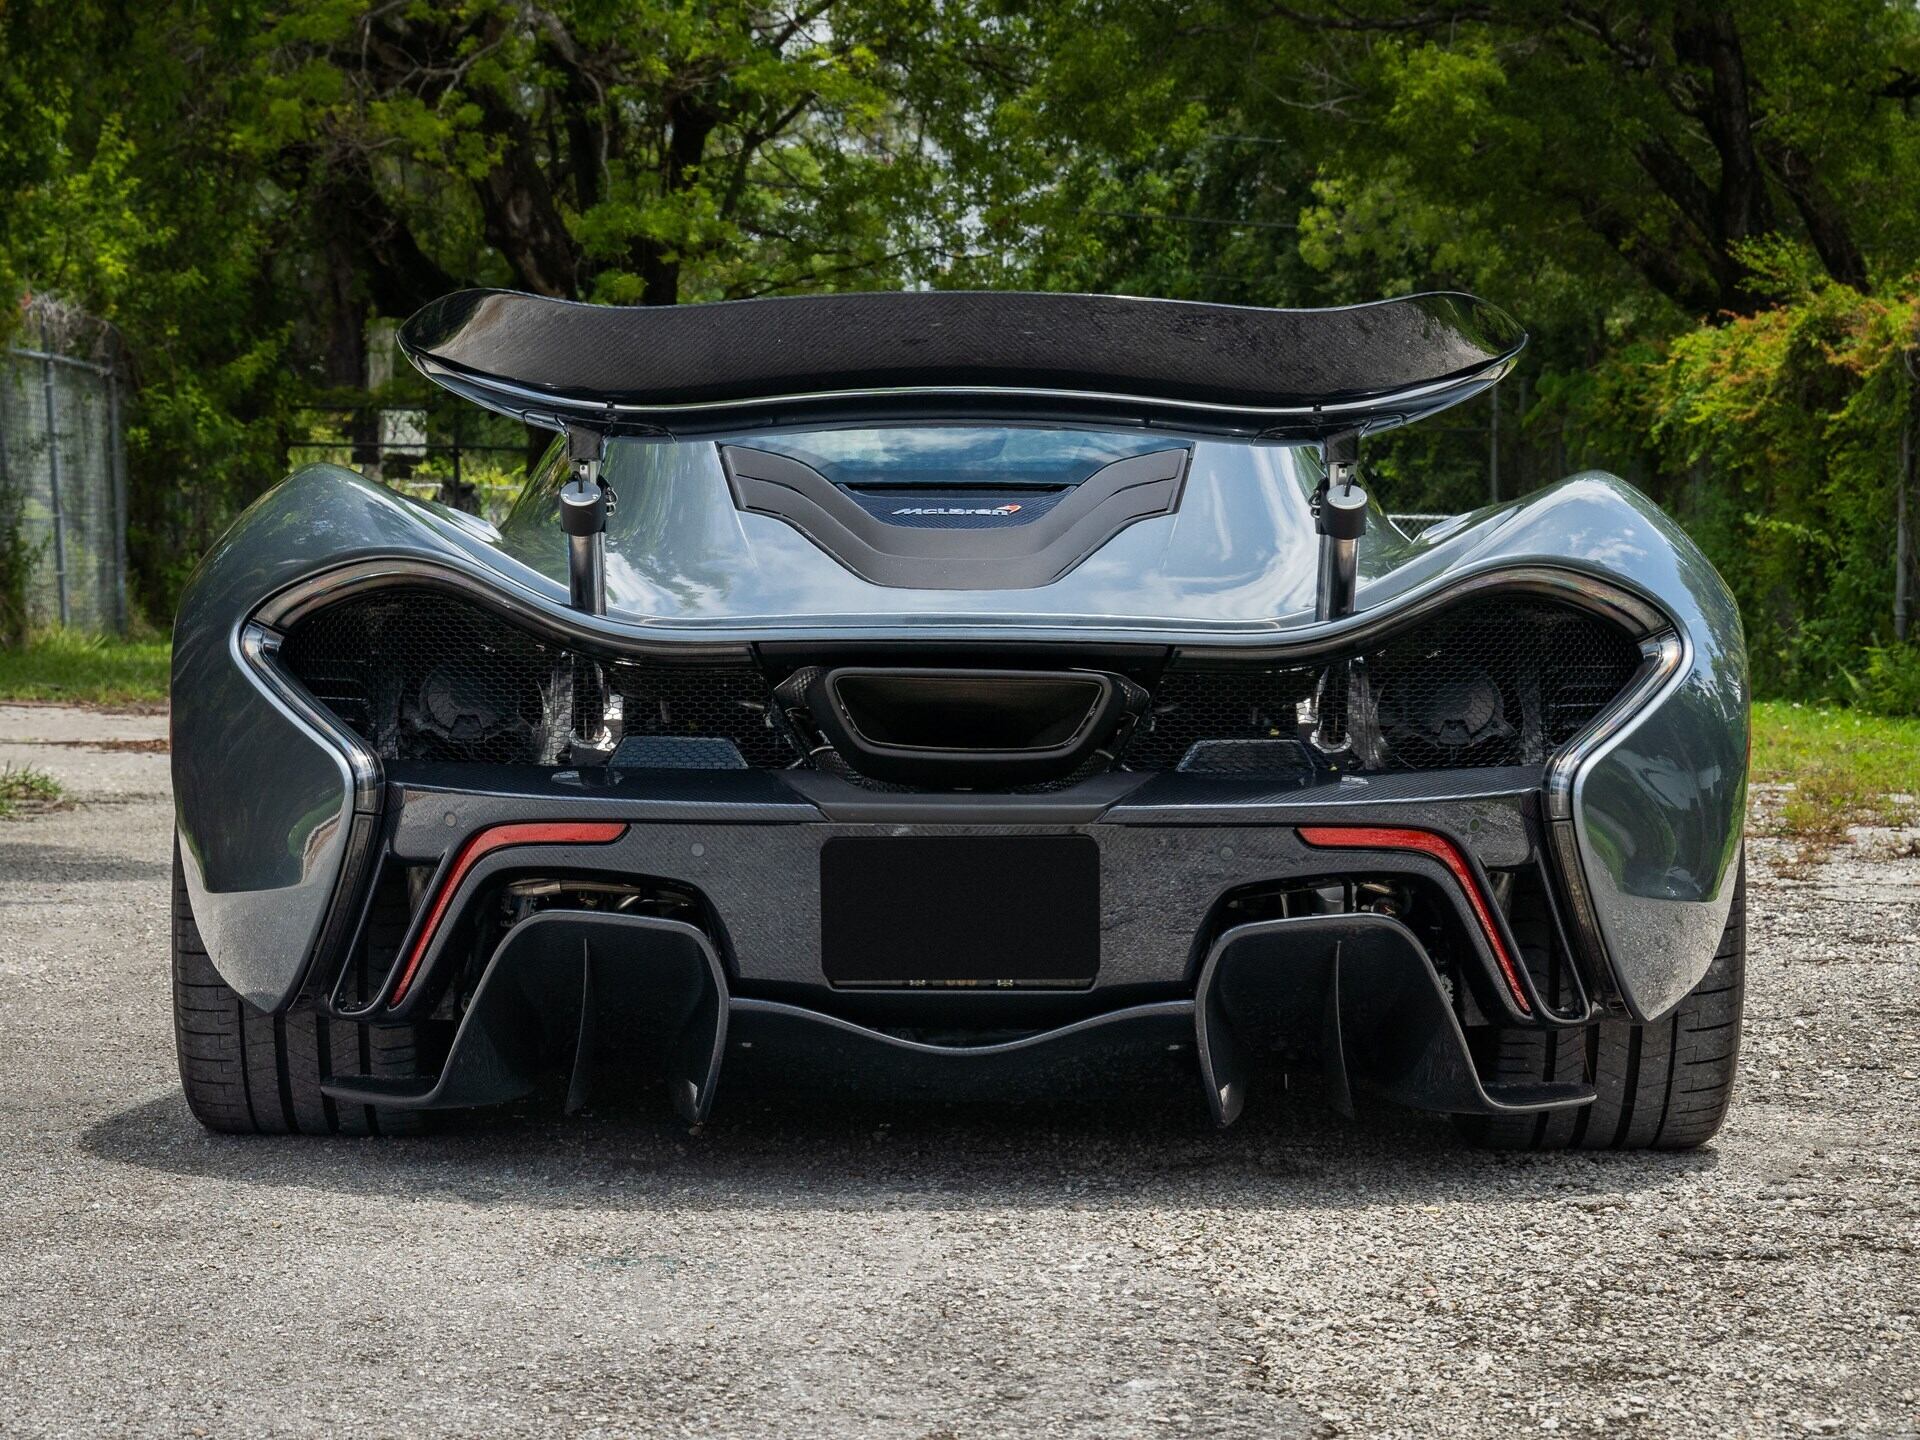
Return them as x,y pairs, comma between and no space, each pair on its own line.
750,844
1637,822
1357,995
275,805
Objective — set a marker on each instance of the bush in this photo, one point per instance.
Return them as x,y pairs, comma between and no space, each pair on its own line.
1891,683
1788,420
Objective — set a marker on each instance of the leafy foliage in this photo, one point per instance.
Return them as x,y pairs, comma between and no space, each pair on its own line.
1700,210
241,190
1796,411
1692,206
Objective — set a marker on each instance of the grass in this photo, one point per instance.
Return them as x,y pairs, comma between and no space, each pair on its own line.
86,670
24,788
1846,768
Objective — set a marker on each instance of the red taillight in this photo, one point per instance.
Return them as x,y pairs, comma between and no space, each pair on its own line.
1364,837
497,837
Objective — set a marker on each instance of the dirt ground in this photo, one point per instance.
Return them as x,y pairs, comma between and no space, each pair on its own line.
810,1264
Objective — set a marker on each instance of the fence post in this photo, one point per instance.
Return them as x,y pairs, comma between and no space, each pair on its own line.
1522,469
1493,447
117,467
6,378
1900,531
454,498
53,474
1902,523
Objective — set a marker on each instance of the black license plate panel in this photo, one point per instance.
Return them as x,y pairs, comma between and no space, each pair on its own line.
989,911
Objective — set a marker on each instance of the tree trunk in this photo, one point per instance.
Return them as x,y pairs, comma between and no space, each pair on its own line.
346,354
691,120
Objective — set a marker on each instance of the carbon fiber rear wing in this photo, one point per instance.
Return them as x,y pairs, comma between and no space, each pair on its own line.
931,356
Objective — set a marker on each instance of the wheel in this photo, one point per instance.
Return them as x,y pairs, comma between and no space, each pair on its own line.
1660,1086
246,1072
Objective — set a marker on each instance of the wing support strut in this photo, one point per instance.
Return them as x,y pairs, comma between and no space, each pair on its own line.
586,500
1340,515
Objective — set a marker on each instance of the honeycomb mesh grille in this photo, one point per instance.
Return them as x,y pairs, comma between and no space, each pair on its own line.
1496,681
423,676
420,675
1191,707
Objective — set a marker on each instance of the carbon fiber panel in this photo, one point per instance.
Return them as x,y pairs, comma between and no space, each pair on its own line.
1158,883
1216,354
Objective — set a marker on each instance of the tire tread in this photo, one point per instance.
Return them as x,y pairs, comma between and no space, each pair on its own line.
247,1072
1665,1085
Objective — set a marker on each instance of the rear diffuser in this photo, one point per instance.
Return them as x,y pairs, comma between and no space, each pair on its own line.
601,992
595,990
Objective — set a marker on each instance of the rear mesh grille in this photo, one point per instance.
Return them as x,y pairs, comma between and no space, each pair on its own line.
423,676
1195,706
1497,681
1503,680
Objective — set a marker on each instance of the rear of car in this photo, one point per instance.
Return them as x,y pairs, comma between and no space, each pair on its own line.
959,746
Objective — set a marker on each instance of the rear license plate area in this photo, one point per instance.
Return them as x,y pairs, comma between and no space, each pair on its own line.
960,911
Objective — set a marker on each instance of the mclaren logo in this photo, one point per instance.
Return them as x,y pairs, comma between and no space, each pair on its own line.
959,510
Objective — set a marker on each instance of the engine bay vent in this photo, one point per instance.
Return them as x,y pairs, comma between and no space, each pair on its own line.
1502,680
422,675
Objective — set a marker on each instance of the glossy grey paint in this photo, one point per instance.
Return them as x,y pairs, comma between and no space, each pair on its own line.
1659,811
260,857
679,552
1660,807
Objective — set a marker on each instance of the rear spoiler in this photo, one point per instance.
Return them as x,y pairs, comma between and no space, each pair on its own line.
913,356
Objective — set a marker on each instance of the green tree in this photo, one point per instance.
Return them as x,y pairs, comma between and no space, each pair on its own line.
241,191
1695,208
1663,192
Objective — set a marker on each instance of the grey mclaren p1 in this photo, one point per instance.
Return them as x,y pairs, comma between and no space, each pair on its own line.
956,684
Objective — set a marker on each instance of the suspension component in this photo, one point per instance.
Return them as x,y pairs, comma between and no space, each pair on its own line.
1340,515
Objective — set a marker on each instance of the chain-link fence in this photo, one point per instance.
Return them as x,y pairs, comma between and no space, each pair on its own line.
455,454
63,474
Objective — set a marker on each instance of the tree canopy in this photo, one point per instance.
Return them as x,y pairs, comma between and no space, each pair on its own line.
1701,211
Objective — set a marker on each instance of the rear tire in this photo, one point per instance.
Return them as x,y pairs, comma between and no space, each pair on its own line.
246,1072
1661,1086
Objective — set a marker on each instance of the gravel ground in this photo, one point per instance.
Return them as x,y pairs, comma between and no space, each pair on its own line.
818,1265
